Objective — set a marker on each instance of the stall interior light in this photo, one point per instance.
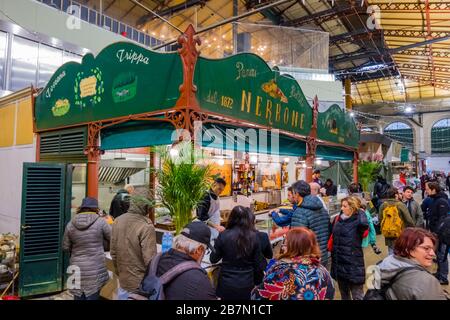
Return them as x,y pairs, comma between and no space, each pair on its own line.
304,165
318,161
173,153
221,162
286,159
253,159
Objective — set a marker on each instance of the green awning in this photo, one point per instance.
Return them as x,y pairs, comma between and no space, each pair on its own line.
251,140
333,153
136,134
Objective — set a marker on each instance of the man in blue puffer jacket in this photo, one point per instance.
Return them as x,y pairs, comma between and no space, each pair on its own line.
311,213
284,220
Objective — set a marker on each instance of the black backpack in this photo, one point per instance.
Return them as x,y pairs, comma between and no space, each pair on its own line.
380,294
152,286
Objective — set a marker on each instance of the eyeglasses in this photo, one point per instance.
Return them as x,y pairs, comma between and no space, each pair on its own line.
427,249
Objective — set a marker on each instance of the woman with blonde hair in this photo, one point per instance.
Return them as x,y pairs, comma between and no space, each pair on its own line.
297,274
347,258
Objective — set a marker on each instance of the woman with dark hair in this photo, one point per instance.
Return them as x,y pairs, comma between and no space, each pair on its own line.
405,273
86,238
238,247
298,274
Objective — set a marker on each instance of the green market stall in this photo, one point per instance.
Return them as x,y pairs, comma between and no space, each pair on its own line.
129,96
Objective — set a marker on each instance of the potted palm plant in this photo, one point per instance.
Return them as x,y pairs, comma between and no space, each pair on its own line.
182,182
367,173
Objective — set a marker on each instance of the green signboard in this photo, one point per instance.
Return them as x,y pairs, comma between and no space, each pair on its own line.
245,88
124,79
337,126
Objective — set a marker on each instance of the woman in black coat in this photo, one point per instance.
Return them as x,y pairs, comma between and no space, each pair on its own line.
239,248
347,257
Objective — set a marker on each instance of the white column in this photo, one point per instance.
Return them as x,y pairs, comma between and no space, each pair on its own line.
421,140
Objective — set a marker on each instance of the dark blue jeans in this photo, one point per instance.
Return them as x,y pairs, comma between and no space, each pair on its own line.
94,296
442,271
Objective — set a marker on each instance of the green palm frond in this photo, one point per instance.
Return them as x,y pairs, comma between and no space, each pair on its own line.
367,173
183,182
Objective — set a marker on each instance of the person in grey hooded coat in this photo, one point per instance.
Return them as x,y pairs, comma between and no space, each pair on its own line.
405,273
85,238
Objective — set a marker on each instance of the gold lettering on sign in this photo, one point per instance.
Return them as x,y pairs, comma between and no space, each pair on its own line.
278,113
294,122
286,115
258,106
296,94
212,97
269,111
242,72
88,87
302,117
246,100
341,140
227,102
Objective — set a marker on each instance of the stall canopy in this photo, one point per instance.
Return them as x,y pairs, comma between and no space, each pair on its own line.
134,134
333,153
339,173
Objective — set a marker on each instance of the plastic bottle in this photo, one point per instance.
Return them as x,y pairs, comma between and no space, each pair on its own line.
167,239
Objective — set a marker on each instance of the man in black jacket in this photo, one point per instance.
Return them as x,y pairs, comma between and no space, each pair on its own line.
208,210
121,201
379,191
438,210
192,284
331,189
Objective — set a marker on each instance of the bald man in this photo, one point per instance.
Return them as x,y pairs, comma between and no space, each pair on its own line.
315,191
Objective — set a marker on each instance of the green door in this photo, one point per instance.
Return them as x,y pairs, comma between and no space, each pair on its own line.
45,200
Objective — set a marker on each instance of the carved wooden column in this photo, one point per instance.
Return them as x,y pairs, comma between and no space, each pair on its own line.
93,153
187,106
355,167
189,54
311,142
152,183
356,156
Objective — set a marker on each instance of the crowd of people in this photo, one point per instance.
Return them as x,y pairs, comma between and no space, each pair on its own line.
316,254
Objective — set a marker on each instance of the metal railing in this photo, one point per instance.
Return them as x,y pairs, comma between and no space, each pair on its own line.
106,22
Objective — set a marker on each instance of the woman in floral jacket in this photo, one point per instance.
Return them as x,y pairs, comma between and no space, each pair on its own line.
298,274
